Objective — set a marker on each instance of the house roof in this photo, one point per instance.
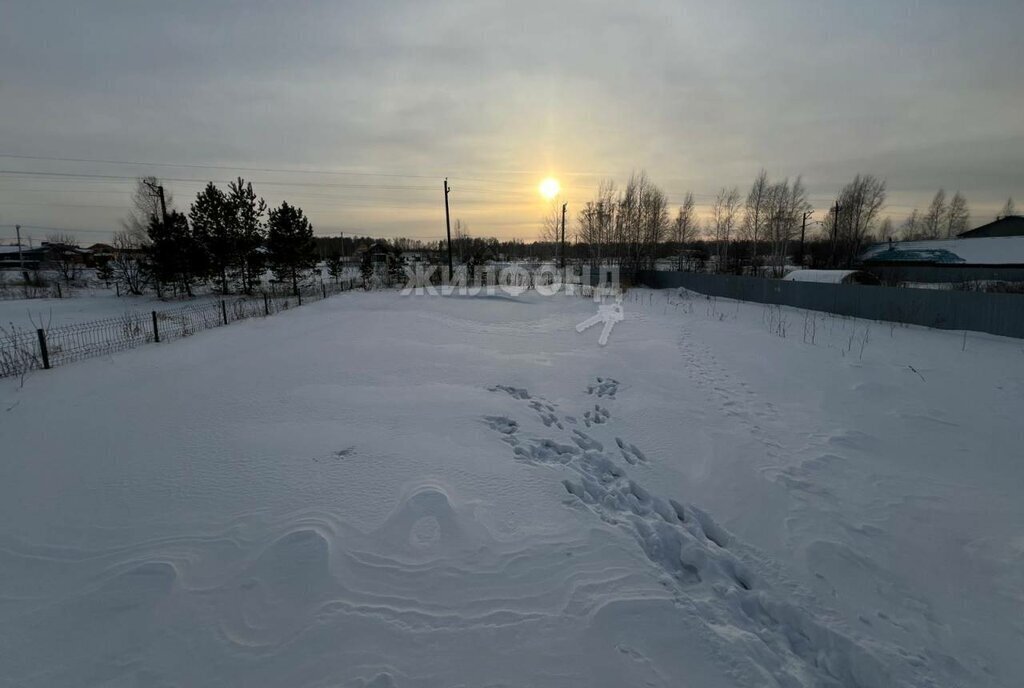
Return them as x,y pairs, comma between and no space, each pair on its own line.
1011,225
821,276
1007,250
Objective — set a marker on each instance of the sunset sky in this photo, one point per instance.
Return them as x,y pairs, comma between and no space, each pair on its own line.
391,97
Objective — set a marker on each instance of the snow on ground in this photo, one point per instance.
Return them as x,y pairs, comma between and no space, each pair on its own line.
86,305
97,302
377,490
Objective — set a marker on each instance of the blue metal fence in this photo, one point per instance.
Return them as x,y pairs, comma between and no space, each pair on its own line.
1001,314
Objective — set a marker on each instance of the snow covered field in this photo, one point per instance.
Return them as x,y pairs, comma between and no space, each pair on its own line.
86,305
98,302
377,490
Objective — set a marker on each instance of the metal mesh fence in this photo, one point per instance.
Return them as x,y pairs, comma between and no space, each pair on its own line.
22,349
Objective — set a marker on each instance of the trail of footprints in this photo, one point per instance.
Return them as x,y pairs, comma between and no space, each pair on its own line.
686,543
683,539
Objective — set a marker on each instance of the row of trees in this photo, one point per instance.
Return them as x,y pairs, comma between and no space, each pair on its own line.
228,237
759,230
940,220
634,226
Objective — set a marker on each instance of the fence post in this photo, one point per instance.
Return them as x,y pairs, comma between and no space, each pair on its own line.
266,304
60,295
42,348
224,310
299,294
156,329
323,288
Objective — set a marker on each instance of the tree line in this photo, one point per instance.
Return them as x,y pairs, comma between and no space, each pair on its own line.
760,231
228,238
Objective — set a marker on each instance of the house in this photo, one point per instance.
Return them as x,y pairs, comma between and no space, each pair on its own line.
32,258
831,277
66,253
996,258
1011,225
45,256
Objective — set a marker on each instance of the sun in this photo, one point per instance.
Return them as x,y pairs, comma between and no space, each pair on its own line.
550,187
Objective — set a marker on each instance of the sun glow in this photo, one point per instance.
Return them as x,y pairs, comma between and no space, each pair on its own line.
550,187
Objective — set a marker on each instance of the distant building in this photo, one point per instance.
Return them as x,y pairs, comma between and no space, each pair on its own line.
31,258
44,256
1009,226
831,277
997,258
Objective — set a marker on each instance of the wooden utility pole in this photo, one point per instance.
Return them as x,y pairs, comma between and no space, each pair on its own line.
448,228
158,190
803,231
835,232
163,204
21,258
564,205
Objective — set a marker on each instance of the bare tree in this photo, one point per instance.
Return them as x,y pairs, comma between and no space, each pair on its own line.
754,215
723,222
860,203
957,215
65,257
684,227
145,205
933,223
550,225
1008,210
910,228
460,238
885,229
785,206
655,224
128,264
596,223
641,223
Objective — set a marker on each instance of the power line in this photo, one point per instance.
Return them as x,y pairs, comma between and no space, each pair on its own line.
284,170
63,229
210,167
367,187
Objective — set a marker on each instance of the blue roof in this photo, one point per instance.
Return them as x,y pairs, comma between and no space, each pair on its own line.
907,254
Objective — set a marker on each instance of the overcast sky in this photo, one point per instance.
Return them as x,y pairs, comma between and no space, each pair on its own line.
497,95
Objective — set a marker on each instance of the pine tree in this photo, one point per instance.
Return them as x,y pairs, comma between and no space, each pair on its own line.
335,266
213,226
247,213
366,269
175,257
290,245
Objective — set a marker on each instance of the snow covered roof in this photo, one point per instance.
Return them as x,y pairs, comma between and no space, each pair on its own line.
826,276
1010,225
8,249
986,251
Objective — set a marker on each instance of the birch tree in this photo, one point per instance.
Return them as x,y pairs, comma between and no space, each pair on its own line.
957,216
933,223
723,222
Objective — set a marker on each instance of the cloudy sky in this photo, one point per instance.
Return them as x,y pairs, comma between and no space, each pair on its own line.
357,111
